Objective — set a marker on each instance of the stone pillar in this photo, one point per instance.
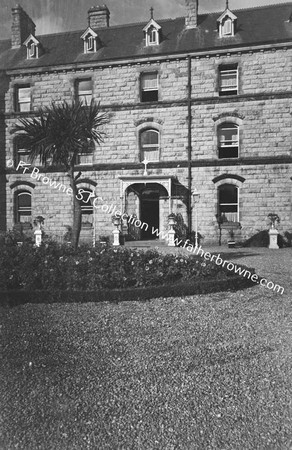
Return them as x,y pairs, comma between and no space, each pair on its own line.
171,235
273,235
38,237
116,234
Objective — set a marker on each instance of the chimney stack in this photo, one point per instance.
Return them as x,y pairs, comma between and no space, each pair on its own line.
22,26
192,13
98,17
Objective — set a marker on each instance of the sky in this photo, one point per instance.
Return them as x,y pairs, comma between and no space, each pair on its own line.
52,16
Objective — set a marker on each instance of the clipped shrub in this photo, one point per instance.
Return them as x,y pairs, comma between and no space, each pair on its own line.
57,267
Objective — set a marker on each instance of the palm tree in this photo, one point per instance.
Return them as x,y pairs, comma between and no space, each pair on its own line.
57,135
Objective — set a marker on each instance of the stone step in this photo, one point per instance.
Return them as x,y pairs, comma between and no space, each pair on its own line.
150,243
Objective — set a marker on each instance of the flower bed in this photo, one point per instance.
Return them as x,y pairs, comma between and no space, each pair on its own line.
56,268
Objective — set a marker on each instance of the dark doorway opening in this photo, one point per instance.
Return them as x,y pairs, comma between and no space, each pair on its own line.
149,213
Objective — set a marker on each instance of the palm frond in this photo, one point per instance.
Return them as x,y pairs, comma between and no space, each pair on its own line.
61,131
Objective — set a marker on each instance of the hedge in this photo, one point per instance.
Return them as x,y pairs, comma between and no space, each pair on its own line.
55,272
18,297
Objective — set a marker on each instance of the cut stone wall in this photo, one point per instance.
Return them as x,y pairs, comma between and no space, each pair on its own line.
262,110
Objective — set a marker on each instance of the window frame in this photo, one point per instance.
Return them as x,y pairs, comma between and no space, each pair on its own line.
150,33
228,70
149,146
144,92
18,150
86,163
31,51
232,146
88,154
86,207
227,27
90,44
17,213
226,204
18,103
85,93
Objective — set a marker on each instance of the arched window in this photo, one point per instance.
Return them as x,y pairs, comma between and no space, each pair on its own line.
149,145
86,207
228,140
22,206
228,203
153,36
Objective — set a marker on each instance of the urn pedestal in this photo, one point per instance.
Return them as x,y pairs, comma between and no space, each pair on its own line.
273,235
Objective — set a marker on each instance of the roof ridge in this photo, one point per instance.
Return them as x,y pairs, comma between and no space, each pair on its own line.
247,9
262,6
132,24
141,23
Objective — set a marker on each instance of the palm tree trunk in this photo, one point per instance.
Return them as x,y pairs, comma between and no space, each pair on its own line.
76,228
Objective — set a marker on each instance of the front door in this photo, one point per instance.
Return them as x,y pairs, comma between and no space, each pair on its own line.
149,213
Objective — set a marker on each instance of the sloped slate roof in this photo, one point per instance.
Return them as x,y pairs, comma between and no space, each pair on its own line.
259,25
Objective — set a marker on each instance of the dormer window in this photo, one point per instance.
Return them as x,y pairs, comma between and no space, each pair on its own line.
227,23
32,47
31,50
153,36
227,27
90,43
152,32
89,37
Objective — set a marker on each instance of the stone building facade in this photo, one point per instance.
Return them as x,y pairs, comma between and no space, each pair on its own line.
200,121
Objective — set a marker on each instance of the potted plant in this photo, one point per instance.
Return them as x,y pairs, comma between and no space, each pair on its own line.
273,220
38,222
231,241
116,220
172,219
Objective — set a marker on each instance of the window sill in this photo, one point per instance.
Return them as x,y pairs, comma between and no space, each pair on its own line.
228,94
228,157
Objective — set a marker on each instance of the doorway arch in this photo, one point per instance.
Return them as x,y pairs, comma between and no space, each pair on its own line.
149,202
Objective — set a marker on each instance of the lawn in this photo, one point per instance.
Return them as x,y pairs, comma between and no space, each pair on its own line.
204,372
